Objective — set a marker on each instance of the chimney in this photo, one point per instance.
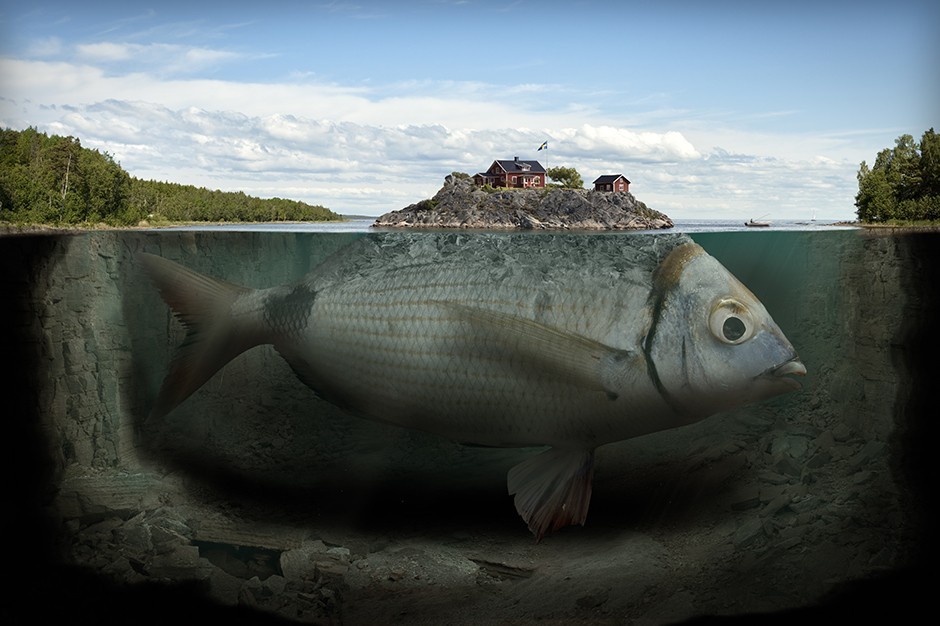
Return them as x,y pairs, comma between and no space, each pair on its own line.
515,159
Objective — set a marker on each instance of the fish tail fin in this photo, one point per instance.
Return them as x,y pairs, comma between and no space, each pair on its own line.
553,489
213,338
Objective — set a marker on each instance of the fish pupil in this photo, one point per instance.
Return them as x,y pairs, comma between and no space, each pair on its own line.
733,328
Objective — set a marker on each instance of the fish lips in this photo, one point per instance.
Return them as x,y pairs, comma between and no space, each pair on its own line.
782,374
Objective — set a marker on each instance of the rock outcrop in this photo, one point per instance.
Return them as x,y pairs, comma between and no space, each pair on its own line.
461,204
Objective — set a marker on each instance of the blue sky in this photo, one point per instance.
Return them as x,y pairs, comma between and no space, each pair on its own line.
722,109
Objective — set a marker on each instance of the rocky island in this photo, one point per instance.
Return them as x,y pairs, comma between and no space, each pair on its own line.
462,204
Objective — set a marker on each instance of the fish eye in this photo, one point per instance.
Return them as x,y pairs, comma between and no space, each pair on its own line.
731,322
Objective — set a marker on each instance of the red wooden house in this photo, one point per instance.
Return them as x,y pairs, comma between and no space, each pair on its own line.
612,182
515,173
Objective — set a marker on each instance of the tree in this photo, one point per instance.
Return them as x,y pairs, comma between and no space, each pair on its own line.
875,199
903,168
106,185
566,177
930,163
903,183
52,179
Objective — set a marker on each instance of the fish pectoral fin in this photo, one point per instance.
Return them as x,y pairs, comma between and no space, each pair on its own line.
553,489
571,357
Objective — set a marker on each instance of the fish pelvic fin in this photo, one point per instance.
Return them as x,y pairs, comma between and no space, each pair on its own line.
553,489
203,305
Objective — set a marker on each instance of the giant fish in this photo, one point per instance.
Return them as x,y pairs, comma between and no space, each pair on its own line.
566,341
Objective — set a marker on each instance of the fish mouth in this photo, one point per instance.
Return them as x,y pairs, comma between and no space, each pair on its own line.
782,373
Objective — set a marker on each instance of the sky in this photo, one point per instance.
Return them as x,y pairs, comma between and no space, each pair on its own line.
722,109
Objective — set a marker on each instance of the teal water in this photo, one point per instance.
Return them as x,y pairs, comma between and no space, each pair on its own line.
759,509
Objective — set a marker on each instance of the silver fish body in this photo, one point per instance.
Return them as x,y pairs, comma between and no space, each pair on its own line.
569,341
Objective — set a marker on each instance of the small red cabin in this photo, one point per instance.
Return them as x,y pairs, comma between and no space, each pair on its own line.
612,182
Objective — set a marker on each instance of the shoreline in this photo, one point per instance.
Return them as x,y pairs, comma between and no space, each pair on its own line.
899,228
10,229
7,228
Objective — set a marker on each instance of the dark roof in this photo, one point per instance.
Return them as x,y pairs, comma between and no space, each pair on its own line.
609,178
512,165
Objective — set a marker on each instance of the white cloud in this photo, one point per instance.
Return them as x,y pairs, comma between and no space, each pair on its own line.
45,47
162,59
360,150
106,51
739,186
627,144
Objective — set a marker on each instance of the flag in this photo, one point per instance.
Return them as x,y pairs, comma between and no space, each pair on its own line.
544,146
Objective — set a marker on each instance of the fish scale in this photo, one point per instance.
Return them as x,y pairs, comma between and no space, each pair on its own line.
409,342
566,341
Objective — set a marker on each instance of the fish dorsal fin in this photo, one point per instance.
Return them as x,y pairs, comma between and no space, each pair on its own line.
553,489
575,359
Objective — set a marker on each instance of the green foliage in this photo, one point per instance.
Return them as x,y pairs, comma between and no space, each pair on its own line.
904,182
566,177
461,176
54,180
162,201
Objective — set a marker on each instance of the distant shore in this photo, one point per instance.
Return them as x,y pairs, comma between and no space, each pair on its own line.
16,229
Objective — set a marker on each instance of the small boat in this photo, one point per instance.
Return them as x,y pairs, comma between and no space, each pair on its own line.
756,224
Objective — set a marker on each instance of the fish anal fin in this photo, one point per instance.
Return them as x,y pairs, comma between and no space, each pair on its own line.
553,489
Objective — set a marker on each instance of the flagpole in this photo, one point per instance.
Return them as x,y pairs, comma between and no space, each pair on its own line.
544,146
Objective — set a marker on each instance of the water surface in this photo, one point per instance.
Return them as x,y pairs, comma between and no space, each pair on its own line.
365,225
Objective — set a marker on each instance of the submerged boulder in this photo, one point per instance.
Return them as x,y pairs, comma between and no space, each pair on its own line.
462,204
